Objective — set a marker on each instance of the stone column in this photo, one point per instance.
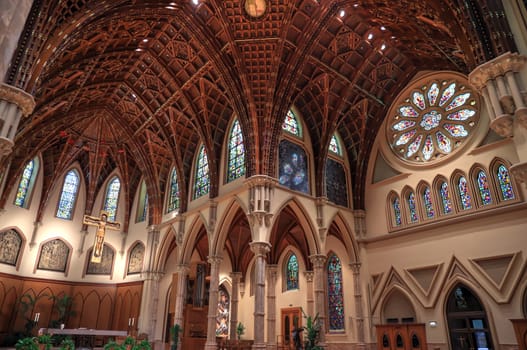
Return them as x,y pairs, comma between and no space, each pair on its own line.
179,291
33,241
272,273
309,292
318,262
235,278
260,250
501,83
14,103
214,262
359,317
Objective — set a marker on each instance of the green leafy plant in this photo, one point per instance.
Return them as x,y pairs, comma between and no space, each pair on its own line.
67,344
27,343
27,305
312,329
129,341
174,334
240,330
62,305
142,345
45,340
113,345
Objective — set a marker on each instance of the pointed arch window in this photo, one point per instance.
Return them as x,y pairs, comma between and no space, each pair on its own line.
504,180
202,182
25,186
396,205
292,273
174,197
142,203
445,198
464,195
335,294
112,198
427,200
484,189
291,124
68,195
236,156
334,146
412,207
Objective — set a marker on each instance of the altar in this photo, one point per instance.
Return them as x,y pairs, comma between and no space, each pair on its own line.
84,337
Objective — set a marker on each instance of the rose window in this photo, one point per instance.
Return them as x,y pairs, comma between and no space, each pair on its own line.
433,121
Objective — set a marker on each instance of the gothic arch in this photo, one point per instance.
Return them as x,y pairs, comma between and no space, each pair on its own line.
223,225
474,173
397,303
190,240
339,223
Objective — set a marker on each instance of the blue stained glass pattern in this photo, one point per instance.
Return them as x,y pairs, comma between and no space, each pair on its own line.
464,195
429,207
484,190
505,183
412,207
293,171
112,197
173,200
397,211
291,124
202,182
68,195
292,272
236,162
334,145
335,294
445,198
22,193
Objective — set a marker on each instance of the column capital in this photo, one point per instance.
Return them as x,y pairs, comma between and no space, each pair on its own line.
355,267
309,275
260,248
235,276
499,66
318,260
182,268
22,99
214,260
153,228
259,180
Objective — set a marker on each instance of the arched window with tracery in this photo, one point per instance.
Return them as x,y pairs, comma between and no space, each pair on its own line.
236,153
142,203
68,195
412,207
25,186
291,272
174,196
292,125
428,203
396,207
202,180
504,180
483,187
112,198
335,294
444,194
336,177
464,193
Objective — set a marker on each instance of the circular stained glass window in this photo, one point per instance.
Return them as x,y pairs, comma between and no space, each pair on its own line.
432,120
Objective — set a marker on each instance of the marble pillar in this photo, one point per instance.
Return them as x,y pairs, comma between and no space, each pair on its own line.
318,262
235,278
272,274
260,250
214,262
359,314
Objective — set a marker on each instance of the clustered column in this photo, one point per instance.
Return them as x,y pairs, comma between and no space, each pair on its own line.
309,290
272,271
235,278
260,250
214,262
355,268
318,262
179,287
14,103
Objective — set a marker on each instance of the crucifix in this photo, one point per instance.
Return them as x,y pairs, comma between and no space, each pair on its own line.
102,224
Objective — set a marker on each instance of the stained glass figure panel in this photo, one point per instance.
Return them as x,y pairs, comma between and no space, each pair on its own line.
334,146
292,273
112,198
335,294
202,181
223,312
464,195
293,172
445,198
504,180
484,190
22,194
68,195
173,199
427,200
236,160
336,183
412,207
291,124
396,205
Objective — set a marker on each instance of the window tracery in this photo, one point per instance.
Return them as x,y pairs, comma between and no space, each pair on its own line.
68,195
236,153
25,186
112,198
173,199
202,181
335,294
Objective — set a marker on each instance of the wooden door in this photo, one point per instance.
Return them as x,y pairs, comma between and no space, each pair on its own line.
291,318
401,337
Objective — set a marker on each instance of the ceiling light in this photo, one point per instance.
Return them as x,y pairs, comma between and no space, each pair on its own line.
355,5
195,2
383,28
342,13
383,46
145,40
370,36
170,8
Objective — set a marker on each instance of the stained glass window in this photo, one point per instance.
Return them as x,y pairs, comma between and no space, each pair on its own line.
505,183
427,200
484,190
236,162
397,211
291,124
293,167
142,203
292,272
336,182
464,194
334,145
432,120
68,195
412,207
202,182
24,187
335,294
445,198
112,198
173,199
223,314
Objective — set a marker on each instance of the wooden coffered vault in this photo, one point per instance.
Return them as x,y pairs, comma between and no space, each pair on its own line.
137,85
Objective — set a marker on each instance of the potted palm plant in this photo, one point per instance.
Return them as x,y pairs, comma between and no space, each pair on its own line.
27,343
67,344
312,329
240,330
174,334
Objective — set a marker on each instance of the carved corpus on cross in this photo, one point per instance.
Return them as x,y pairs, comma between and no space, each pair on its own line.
102,224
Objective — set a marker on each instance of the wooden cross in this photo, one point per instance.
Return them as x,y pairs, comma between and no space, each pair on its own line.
102,224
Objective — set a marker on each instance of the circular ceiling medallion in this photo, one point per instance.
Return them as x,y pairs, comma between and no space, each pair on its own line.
255,8
432,119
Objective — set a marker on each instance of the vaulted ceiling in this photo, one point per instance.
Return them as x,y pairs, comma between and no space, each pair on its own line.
138,85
